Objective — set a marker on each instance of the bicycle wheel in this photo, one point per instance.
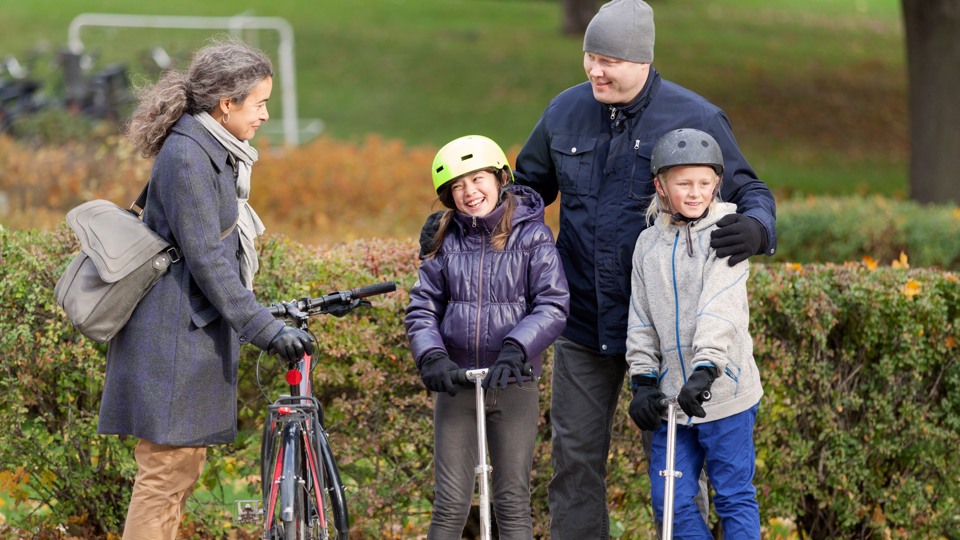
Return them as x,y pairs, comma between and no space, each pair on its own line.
292,508
298,528
271,468
292,479
336,519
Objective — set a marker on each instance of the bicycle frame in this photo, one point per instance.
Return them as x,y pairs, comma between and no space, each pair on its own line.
301,439
302,492
303,463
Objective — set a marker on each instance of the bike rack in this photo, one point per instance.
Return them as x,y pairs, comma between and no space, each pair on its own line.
287,71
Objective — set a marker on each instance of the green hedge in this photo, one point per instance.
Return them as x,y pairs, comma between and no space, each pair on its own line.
857,435
839,229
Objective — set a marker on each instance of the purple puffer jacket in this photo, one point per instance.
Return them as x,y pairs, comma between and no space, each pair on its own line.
470,297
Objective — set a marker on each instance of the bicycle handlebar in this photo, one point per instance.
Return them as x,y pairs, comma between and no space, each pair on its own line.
465,376
337,303
373,290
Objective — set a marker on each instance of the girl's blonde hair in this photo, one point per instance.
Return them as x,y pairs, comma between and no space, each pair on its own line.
504,227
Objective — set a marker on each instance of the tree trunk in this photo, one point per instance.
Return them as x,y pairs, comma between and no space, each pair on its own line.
933,63
577,15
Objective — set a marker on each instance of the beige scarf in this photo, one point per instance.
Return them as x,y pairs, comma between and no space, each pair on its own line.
248,222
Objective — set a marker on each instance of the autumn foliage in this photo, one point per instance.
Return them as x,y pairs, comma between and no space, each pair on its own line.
325,191
860,359
330,191
856,438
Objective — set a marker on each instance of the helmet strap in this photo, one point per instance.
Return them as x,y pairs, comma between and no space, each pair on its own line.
677,216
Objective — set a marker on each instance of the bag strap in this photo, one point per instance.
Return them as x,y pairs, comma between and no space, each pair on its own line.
138,205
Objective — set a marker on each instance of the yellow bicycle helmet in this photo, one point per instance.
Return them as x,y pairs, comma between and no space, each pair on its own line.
467,154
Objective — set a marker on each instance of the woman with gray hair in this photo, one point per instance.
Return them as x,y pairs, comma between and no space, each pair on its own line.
171,376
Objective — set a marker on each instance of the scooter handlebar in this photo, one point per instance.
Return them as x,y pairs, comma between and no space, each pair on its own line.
705,396
467,376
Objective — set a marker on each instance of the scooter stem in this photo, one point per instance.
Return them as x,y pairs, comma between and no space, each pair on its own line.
483,469
670,474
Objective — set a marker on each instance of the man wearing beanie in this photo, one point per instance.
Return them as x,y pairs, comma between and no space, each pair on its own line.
592,144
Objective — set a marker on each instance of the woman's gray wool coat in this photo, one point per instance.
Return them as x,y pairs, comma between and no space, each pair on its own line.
172,371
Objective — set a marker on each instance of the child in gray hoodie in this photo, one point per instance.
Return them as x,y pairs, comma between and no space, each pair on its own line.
688,333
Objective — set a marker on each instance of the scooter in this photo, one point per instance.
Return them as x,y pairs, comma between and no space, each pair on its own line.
483,468
670,474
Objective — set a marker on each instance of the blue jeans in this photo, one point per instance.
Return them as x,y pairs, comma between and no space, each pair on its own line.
512,416
585,390
726,447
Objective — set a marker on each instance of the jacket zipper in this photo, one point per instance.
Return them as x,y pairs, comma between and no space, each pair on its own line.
483,251
676,305
633,167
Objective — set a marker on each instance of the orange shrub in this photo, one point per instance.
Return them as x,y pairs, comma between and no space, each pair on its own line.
325,191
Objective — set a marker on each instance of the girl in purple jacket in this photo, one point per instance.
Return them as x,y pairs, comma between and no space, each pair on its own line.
491,294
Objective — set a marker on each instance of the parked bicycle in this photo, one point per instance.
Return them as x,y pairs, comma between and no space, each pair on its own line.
102,94
19,93
66,82
303,497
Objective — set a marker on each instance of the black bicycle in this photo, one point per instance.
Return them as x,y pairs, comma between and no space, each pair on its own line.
303,497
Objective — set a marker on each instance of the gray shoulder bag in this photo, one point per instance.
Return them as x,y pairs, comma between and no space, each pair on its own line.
120,260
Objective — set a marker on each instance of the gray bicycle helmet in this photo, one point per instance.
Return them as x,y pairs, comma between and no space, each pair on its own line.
686,147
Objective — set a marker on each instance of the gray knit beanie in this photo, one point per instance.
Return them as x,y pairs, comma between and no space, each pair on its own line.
622,29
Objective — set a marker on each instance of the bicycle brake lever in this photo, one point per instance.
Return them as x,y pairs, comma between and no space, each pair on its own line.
339,310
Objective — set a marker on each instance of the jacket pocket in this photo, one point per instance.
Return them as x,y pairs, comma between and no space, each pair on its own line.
641,181
573,157
202,312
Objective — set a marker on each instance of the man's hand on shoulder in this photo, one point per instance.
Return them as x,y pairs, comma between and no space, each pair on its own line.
738,237
427,233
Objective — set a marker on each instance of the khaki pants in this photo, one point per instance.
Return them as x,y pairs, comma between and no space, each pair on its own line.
166,476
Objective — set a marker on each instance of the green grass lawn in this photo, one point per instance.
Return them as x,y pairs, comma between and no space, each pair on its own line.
816,90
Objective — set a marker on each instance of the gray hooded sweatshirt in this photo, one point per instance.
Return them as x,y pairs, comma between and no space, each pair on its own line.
688,308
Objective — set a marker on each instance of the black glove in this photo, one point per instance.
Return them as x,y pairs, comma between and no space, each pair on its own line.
507,365
340,310
435,371
645,408
690,397
290,344
427,233
738,237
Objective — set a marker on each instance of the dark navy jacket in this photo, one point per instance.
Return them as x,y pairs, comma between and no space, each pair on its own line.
470,298
598,158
